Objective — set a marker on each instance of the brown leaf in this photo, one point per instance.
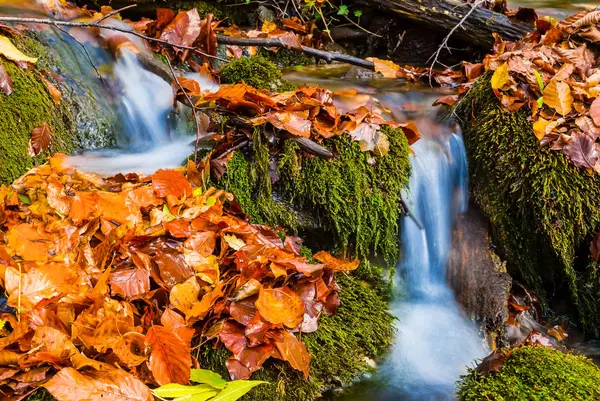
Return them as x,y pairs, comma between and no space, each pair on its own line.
170,359
280,306
40,140
183,30
294,351
130,283
581,150
111,385
207,39
164,16
595,247
6,82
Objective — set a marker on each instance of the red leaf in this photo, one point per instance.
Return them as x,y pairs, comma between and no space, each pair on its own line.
170,359
164,16
40,140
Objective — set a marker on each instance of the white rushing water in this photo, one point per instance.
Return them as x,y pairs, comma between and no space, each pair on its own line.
436,341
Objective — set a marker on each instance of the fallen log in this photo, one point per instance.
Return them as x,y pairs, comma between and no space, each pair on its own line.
445,15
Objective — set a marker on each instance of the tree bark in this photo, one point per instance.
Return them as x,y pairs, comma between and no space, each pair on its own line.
443,15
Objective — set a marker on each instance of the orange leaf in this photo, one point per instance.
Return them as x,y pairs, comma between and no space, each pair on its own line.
387,68
558,96
30,242
40,140
170,359
130,283
280,306
595,111
294,351
54,91
171,182
335,264
111,385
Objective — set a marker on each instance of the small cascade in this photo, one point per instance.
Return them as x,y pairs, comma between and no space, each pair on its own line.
436,341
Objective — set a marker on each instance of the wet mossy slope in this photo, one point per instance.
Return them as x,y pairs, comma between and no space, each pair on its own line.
544,211
535,373
31,104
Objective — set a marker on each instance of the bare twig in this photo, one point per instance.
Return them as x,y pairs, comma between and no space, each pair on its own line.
115,12
276,42
87,54
444,44
189,99
108,27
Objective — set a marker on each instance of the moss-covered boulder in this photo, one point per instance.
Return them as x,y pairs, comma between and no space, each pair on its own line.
255,71
544,211
77,121
350,203
535,373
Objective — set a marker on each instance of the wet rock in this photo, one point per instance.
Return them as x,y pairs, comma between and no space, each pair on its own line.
477,277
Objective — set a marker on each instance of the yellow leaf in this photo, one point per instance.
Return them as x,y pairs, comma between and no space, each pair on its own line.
386,68
557,95
11,52
500,76
234,242
539,128
268,27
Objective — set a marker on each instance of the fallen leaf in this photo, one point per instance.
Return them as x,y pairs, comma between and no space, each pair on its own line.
111,385
6,82
557,95
54,91
595,111
581,150
280,306
387,68
8,50
500,76
294,351
170,360
40,140
335,264
171,182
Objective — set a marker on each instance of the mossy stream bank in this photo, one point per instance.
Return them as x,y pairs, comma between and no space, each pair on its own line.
544,211
77,121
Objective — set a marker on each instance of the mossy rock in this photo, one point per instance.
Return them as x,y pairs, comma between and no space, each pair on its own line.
544,211
362,329
77,121
286,58
535,373
255,71
350,203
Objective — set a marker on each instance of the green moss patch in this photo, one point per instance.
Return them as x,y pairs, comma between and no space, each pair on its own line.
353,199
361,329
535,373
255,71
544,211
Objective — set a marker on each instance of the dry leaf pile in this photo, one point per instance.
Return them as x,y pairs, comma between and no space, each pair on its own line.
112,280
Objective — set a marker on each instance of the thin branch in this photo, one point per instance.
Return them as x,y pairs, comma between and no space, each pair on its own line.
189,99
87,54
115,12
276,42
108,27
444,44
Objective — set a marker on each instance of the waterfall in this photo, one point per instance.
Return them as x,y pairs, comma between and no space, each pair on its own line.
436,342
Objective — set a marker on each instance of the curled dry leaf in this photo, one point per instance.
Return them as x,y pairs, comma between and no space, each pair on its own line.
387,68
582,151
335,264
40,140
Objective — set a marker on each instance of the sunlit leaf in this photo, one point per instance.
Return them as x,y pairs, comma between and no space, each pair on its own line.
387,68
280,306
170,359
558,96
208,377
500,76
8,50
236,389
174,390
